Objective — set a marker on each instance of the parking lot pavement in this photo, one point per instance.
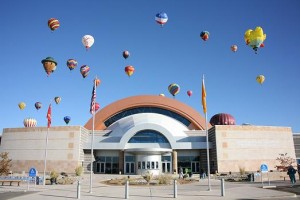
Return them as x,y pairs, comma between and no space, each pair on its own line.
196,190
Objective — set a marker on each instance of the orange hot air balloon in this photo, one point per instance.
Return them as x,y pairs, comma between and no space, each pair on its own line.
97,82
129,70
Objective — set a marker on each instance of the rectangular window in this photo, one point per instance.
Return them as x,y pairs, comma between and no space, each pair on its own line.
143,165
152,165
139,165
148,164
157,165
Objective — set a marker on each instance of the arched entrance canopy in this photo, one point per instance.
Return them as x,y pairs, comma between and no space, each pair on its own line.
197,121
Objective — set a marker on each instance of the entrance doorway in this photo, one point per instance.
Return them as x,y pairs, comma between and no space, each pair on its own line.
166,167
130,168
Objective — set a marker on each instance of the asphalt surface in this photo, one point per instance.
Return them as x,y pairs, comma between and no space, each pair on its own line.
196,190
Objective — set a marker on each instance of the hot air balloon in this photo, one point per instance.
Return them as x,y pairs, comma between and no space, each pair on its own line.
49,65
97,82
84,70
204,35
53,24
162,95
88,41
174,89
71,64
161,18
255,38
129,70
38,105
234,48
189,93
222,119
22,105
67,119
29,122
97,106
126,54
260,79
57,100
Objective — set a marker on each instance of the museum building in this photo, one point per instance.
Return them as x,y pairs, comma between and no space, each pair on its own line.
148,133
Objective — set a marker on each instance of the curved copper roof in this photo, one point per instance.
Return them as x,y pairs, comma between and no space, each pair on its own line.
197,121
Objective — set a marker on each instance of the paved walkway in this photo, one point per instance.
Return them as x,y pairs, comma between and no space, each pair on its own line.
196,190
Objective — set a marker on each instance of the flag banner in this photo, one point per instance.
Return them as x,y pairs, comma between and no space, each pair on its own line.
93,100
49,116
203,96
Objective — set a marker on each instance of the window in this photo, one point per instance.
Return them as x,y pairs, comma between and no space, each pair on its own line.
148,136
152,165
133,111
143,165
148,164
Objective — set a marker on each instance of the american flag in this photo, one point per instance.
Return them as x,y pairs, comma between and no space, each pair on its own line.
49,116
93,100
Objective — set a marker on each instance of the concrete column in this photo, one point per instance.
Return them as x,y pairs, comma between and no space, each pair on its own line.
174,161
121,161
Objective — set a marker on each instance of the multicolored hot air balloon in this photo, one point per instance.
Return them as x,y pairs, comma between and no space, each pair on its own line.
53,24
71,64
234,48
260,79
22,105
204,35
174,89
129,70
161,18
84,70
49,65
67,119
189,93
126,54
97,82
29,122
38,105
255,38
57,100
87,41
97,106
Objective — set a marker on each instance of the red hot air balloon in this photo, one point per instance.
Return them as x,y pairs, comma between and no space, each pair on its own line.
129,70
189,93
53,24
222,119
204,35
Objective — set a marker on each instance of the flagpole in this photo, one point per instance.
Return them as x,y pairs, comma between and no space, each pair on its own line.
92,140
206,130
207,152
45,158
46,147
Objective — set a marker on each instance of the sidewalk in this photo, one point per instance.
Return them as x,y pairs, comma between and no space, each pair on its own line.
197,190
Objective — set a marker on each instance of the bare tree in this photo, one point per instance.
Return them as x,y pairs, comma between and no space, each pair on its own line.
5,163
284,162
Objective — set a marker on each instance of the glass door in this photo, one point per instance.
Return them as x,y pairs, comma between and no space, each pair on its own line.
130,168
166,167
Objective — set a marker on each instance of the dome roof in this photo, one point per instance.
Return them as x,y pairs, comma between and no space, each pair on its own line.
222,119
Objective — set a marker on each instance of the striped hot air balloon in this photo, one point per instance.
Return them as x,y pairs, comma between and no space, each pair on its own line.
174,89
29,122
53,24
161,18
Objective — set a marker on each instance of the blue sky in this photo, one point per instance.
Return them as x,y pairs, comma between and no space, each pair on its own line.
161,56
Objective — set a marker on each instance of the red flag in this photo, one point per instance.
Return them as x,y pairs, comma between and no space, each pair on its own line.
49,116
93,100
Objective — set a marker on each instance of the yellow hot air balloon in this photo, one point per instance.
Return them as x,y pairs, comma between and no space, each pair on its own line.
260,79
22,105
255,38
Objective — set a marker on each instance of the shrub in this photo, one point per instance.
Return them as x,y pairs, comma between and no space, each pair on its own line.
78,170
164,179
242,170
148,176
5,163
53,174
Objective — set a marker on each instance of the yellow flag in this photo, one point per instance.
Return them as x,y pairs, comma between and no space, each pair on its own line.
203,96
